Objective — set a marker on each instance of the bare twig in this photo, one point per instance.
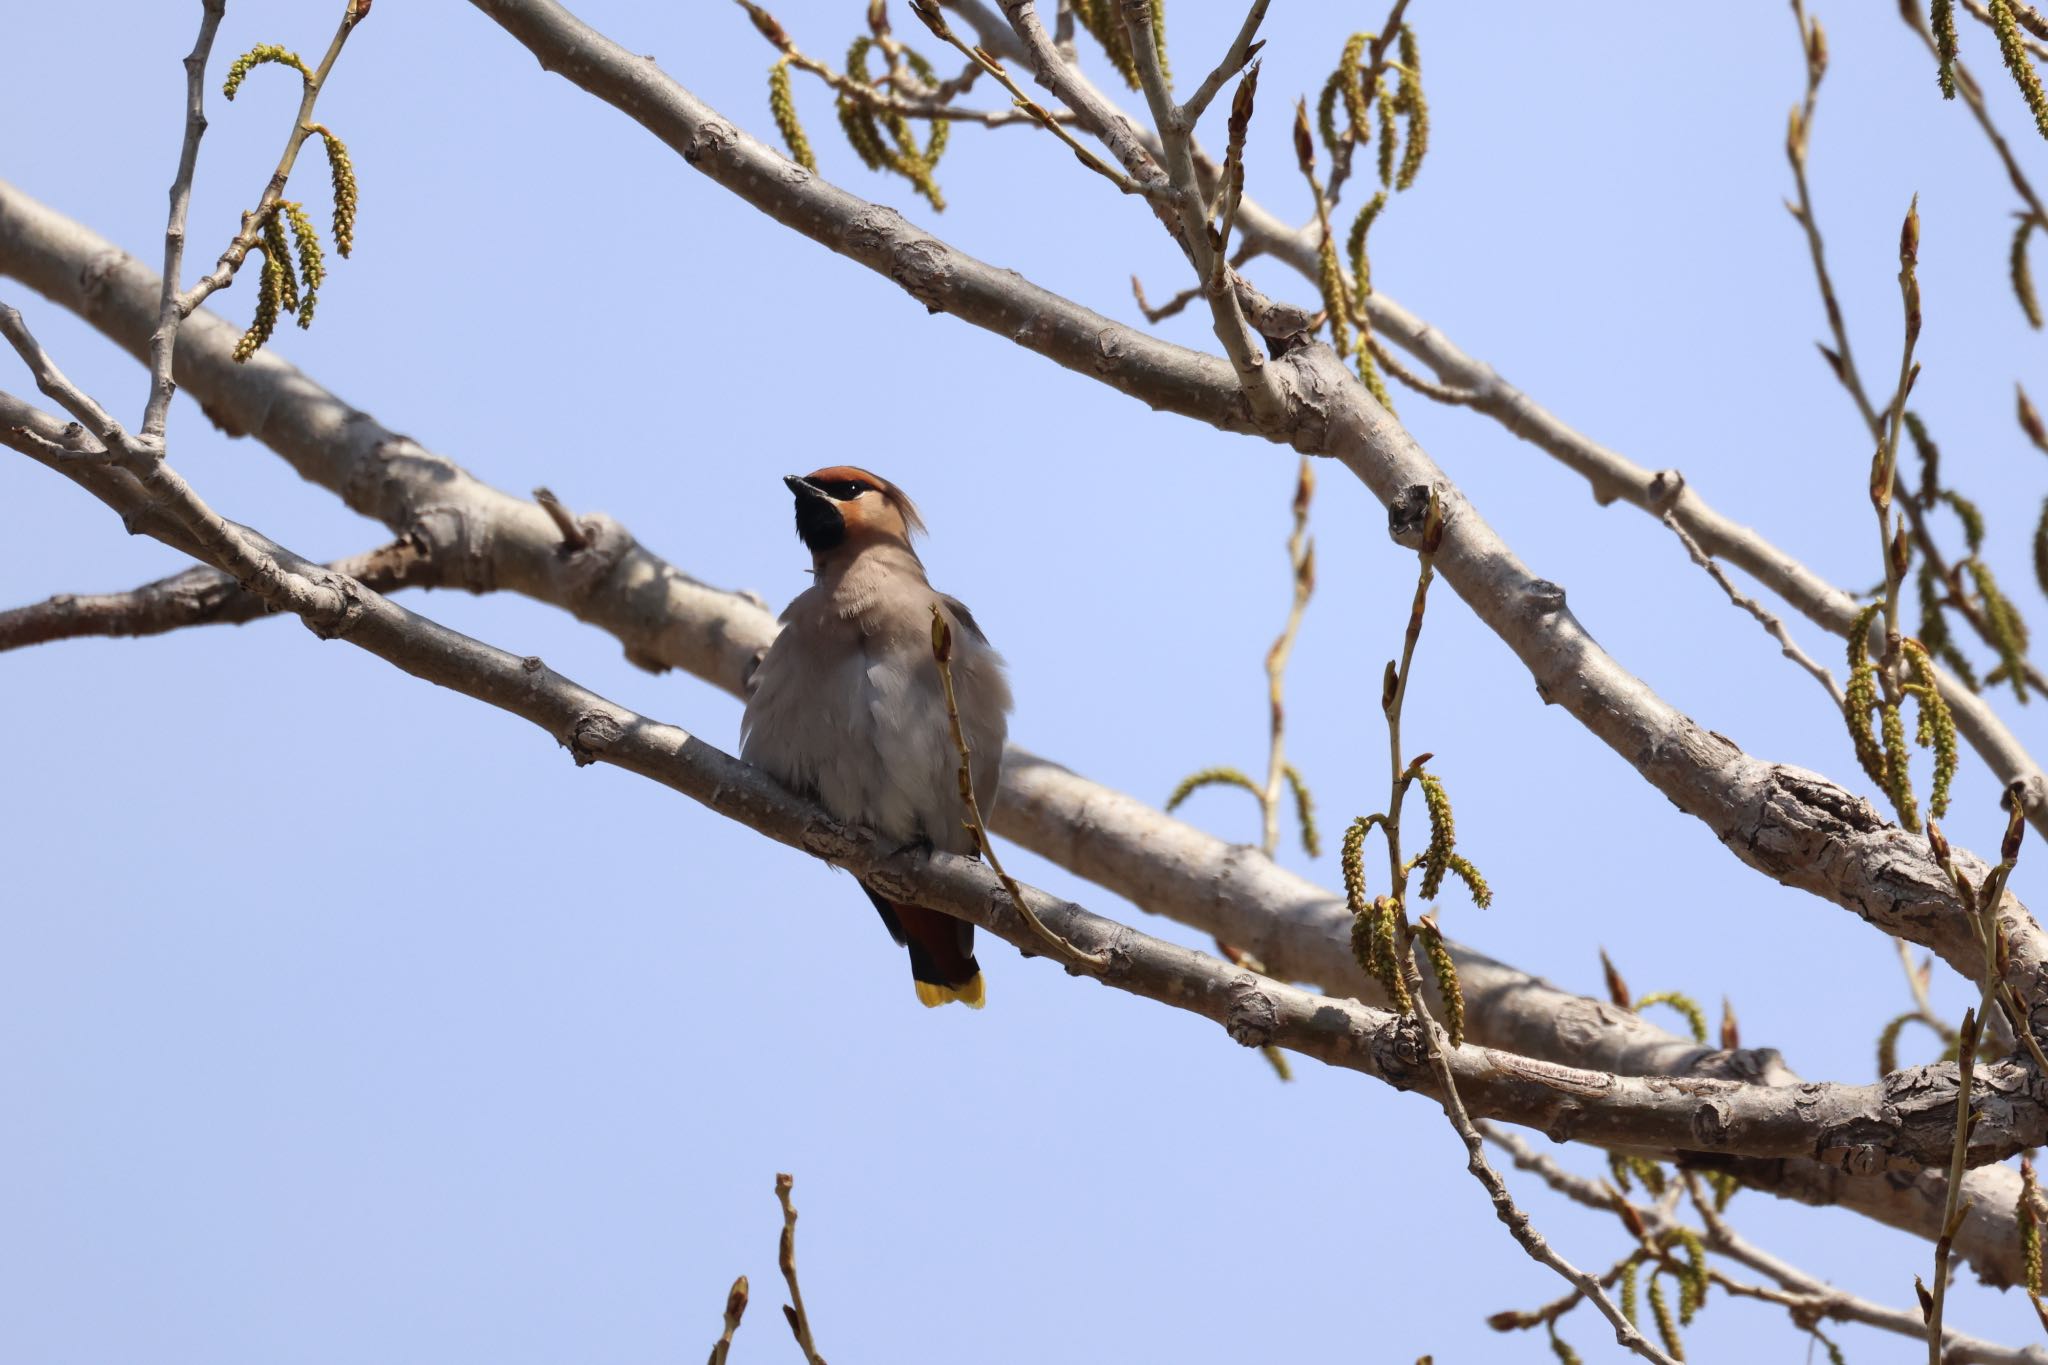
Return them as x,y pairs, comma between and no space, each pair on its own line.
169,314
799,1321
1764,618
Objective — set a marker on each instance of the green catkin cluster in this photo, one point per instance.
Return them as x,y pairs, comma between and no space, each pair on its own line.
1354,248
2030,1230
2041,549
2023,274
782,107
1347,80
905,158
1967,513
1827,1344
1667,1327
1351,858
2008,631
1561,1348
1211,777
1411,105
1936,728
1441,855
277,253
2013,49
1934,632
1105,23
1942,18
1386,953
1384,106
1304,811
1860,696
1692,1282
1446,973
312,262
1695,1017
260,55
269,300
1630,1306
1898,779
343,173
1649,1173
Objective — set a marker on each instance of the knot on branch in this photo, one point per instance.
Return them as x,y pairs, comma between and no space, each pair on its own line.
1408,509
1401,1052
341,606
1254,1016
1664,490
605,546
924,267
709,139
1543,597
590,734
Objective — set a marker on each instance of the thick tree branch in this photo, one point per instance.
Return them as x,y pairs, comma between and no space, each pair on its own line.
473,536
1905,1120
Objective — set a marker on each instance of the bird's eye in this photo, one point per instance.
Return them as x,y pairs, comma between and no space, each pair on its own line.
845,490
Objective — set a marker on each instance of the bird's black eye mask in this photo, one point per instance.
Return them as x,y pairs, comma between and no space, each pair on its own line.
842,490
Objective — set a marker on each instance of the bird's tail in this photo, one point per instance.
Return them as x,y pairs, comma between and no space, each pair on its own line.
941,948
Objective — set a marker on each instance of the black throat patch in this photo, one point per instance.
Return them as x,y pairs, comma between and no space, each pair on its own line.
818,523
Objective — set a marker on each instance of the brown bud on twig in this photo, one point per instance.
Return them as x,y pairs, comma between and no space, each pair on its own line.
770,27
1617,988
1880,482
2030,422
1389,684
1304,141
1909,236
1433,524
1937,844
1241,104
1902,551
928,13
1926,1299
1731,1031
2015,826
878,17
736,1301
942,637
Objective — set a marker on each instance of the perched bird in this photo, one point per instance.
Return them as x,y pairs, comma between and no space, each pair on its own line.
847,706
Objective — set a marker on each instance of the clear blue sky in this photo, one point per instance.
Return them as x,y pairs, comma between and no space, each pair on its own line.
343,1019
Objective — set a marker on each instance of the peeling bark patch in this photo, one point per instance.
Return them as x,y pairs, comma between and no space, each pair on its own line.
1552,1075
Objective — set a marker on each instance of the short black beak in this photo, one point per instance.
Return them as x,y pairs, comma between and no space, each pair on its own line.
818,519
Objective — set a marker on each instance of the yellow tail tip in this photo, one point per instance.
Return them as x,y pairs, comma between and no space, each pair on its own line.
970,995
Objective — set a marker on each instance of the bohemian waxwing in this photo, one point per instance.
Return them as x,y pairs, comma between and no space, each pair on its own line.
847,707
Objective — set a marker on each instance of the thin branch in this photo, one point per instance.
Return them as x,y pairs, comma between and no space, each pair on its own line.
169,315
1240,51
799,1321
1764,618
